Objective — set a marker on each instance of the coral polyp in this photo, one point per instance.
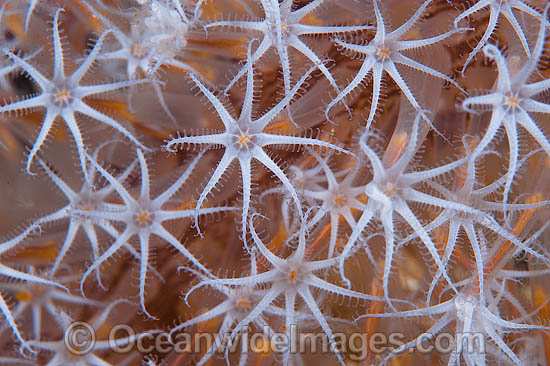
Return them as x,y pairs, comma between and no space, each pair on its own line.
274,182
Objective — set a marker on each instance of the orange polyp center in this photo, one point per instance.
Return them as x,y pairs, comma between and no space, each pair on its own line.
144,218
383,53
513,102
244,139
23,296
62,97
339,200
138,51
390,190
243,303
284,27
292,276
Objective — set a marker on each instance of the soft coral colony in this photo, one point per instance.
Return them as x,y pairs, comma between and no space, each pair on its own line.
372,167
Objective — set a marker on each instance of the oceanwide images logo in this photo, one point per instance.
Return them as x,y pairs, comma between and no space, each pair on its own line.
80,339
